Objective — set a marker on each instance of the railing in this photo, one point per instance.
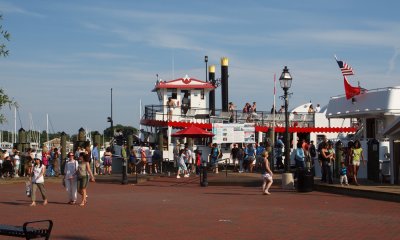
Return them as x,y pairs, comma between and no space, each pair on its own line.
260,118
368,90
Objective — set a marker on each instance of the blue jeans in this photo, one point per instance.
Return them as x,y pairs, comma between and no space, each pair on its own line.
241,165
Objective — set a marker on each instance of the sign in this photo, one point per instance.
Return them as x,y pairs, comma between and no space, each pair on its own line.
233,133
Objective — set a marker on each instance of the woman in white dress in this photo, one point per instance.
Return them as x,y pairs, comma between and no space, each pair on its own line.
70,178
37,180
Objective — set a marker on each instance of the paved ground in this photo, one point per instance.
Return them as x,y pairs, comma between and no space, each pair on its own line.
170,208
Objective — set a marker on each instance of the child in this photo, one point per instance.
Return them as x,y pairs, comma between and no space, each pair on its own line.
343,174
266,174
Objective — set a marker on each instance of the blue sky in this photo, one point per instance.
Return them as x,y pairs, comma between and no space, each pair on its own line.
65,56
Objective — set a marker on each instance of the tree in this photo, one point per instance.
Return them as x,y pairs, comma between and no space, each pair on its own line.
6,35
4,99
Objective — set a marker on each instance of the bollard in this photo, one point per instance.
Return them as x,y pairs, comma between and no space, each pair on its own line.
204,182
124,172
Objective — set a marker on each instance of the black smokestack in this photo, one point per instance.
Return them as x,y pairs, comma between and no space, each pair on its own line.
224,83
211,77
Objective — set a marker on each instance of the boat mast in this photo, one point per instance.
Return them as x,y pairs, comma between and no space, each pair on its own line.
47,130
14,135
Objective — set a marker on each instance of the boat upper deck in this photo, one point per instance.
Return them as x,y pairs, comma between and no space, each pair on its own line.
204,115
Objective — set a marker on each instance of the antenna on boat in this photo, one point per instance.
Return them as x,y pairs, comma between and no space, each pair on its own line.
173,64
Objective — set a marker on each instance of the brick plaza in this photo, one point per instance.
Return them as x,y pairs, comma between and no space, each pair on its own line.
170,208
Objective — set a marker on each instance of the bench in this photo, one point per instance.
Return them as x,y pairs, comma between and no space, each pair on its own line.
26,231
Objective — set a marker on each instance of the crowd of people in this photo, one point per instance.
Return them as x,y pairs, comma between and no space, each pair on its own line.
349,159
146,159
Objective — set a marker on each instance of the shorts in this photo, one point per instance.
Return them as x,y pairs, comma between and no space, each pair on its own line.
267,176
83,182
213,162
250,160
356,163
182,166
107,162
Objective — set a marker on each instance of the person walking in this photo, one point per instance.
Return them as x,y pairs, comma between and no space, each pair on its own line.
357,156
143,158
96,158
234,156
331,162
325,159
313,154
250,154
107,161
259,150
132,160
343,174
17,163
279,153
266,174
56,162
182,169
299,159
215,153
240,156
37,181
84,173
70,178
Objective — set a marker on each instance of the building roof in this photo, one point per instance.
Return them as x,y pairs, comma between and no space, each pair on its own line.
183,83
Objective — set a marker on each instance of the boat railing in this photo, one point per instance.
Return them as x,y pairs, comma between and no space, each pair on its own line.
204,115
369,90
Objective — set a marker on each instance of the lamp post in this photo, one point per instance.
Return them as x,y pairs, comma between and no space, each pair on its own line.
286,81
206,61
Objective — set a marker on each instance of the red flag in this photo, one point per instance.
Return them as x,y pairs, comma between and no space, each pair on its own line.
350,90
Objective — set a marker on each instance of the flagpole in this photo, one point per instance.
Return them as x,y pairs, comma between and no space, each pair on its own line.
273,125
273,118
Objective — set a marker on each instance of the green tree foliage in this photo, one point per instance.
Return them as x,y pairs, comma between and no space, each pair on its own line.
5,101
126,130
6,35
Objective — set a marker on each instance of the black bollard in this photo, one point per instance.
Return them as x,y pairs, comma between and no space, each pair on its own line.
203,181
124,172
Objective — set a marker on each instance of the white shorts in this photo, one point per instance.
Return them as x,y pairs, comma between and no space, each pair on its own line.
267,176
356,163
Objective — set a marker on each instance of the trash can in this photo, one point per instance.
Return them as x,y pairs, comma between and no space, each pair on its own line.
305,180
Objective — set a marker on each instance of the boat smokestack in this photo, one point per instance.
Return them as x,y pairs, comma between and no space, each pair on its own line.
211,77
224,83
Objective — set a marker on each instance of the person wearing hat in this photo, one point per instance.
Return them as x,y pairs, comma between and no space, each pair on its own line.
37,180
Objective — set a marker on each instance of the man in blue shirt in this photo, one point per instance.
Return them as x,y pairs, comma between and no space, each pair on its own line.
279,153
96,159
259,150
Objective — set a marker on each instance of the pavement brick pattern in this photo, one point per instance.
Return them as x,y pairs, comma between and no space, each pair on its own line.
170,208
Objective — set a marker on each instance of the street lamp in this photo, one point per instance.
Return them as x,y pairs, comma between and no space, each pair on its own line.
286,81
206,61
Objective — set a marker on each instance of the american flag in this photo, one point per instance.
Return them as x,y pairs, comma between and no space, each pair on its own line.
345,68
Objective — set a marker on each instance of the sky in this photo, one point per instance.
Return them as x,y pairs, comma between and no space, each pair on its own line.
66,56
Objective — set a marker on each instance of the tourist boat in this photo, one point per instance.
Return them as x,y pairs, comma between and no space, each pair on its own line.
202,113
377,111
